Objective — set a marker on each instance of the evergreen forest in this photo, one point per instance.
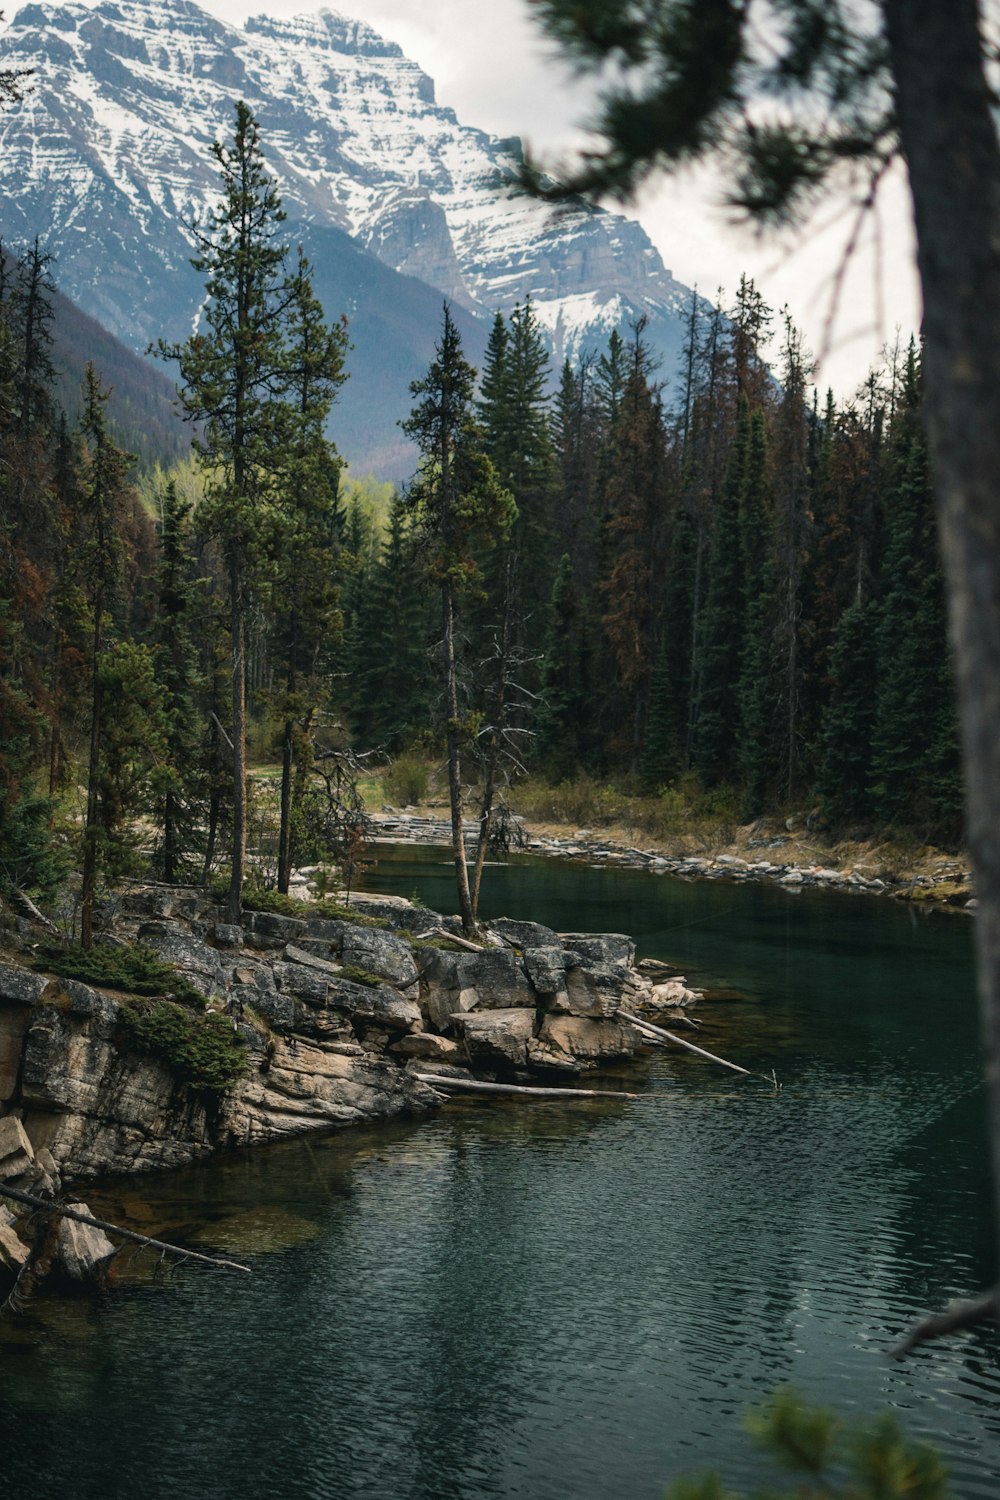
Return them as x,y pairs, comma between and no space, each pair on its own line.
713,589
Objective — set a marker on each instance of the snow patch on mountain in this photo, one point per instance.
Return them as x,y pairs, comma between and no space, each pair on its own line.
130,95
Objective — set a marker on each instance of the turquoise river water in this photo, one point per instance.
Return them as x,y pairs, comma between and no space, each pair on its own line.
566,1302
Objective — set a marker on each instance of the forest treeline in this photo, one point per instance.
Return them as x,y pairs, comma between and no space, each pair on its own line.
710,589
715,585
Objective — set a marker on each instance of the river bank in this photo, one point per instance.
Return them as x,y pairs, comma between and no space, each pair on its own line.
792,859
337,1016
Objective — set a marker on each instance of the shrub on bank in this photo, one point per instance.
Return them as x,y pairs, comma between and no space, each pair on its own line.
202,1051
681,810
406,782
136,971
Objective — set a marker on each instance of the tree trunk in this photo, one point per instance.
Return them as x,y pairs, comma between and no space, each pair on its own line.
235,903
55,734
285,826
949,141
169,837
485,827
493,753
88,881
455,766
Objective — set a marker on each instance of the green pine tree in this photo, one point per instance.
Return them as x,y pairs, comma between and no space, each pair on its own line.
460,506
304,581
234,380
176,667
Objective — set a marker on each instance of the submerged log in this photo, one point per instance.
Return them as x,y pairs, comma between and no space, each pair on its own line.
679,1041
474,1086
43,1205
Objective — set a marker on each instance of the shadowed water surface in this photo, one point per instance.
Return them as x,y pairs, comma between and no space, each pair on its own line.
548,1301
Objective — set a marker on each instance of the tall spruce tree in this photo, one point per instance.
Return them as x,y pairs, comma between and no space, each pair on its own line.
393,690
461,507
176,668
758,688
103,479
234,379
636,499
561,723
304,584
716,730
915,769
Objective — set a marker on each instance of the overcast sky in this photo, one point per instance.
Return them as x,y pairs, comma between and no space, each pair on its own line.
491,64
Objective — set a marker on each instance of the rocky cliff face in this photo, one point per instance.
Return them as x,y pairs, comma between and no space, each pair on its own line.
337,1017
108,160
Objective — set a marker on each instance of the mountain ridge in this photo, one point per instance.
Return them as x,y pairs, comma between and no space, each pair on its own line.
109,160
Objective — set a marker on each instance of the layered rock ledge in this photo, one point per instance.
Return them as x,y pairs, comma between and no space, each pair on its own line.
337,1016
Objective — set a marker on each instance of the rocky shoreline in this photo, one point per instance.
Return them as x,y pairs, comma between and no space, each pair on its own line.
337,1015
948,885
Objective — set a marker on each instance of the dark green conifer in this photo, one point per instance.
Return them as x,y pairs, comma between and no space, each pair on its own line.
915,764
179,793
716,729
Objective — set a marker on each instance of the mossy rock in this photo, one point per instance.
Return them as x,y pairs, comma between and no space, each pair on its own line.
361,976
135,971
200,1049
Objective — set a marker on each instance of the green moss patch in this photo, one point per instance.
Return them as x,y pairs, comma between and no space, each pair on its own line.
136,971
360,976
201,1050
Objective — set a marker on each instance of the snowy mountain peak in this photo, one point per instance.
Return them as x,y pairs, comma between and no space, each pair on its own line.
325,29
108,160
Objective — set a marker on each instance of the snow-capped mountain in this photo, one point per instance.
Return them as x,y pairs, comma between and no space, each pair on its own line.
108,160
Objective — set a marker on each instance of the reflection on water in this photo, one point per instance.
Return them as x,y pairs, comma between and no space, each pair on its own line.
547,1301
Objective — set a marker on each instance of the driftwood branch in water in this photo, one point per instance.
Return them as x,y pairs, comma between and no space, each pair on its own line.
954,1319
474,1086
679,1041
42,1205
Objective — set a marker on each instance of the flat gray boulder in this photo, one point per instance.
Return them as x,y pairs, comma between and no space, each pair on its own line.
591,990
525,934
496,1038
304,982
274,927
588,1038
189,954
601,948
381,953
382,1006
546,968
20,986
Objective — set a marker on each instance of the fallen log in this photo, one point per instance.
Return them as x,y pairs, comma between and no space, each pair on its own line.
26,903
43,1205
442,932
474,1086
679,1041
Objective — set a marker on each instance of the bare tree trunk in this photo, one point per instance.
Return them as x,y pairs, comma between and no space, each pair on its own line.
89,877
235,902
949,140
455,766
792,667
285,826
493,753
485,828
55,736
169,837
